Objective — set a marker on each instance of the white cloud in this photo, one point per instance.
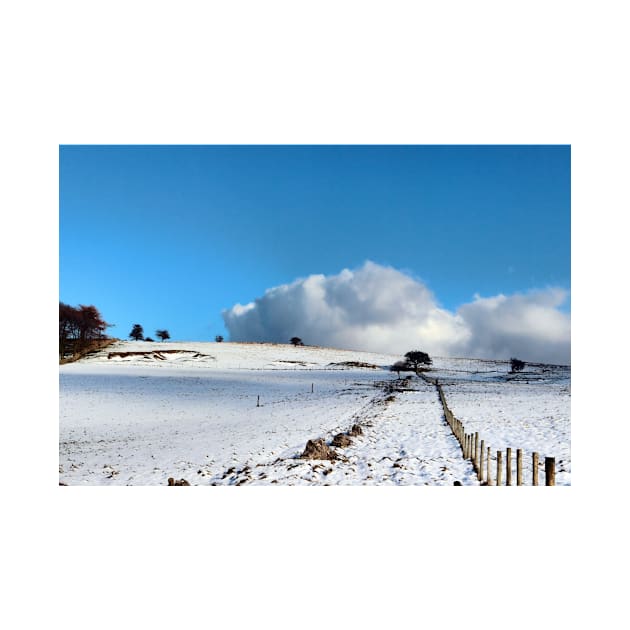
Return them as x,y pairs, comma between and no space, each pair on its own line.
527,326
385,310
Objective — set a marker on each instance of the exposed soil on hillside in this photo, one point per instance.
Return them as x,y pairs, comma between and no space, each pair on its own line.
156,354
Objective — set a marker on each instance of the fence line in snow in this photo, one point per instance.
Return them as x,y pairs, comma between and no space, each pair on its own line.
479,453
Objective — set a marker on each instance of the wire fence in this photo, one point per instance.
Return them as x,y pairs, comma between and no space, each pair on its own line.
497,468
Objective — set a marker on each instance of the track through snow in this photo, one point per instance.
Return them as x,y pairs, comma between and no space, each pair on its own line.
405,441
131,426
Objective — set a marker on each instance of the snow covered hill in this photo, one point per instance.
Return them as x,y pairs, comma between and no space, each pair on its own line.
138,413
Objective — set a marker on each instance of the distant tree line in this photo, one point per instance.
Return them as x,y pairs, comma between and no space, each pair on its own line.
79,328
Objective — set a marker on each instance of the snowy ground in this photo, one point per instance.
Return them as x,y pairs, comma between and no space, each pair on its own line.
138,419
529,411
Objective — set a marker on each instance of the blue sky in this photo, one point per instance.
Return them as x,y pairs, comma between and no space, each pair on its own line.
169,236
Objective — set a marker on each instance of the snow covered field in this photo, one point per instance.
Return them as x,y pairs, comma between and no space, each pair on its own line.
138,413
529,410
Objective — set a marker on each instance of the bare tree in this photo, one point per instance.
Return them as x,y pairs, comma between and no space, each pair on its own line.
68,328
79,327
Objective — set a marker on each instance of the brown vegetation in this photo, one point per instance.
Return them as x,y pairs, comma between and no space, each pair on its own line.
177,482
79,328
155,354
341,440
358,364
317,449
89,348
295,362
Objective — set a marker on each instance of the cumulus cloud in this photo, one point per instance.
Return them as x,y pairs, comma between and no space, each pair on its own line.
527,326
382,309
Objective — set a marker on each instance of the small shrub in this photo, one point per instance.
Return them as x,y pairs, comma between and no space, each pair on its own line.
401,366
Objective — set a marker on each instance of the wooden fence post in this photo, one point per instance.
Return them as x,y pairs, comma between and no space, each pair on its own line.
519,466
481,454
534,469
550,471
488,473
476,454
508,467
499,468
